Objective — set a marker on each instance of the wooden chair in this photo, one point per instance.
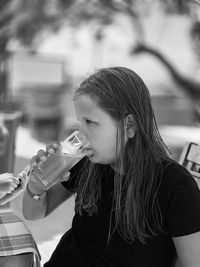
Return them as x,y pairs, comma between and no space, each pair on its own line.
190,159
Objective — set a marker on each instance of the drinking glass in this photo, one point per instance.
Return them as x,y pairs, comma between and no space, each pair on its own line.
48,172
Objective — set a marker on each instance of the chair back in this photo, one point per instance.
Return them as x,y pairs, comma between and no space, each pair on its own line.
190,159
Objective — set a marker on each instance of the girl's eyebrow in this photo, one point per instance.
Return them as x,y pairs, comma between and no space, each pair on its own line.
90,118
87,118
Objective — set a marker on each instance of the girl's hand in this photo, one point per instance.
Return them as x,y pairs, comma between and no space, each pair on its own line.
41,157
23,180
8,183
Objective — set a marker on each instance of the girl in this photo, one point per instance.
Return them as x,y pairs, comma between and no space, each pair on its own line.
135,206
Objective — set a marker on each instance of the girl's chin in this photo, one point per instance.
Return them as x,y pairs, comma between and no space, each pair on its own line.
90,155
94,159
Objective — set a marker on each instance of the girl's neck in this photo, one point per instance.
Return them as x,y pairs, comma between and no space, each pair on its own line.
116,168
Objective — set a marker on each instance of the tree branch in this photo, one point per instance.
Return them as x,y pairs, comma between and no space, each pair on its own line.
189,86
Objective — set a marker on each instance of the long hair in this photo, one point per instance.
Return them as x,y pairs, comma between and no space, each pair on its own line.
136,213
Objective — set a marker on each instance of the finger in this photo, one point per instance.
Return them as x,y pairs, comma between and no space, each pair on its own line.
56,145
15,179
10,188
22,175
66,176
34,161
42,155
24,182
13,186
15,183
52,148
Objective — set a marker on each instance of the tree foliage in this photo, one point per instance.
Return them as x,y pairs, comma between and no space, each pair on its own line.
29,20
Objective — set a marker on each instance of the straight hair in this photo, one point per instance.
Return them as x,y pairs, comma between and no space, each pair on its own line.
135,209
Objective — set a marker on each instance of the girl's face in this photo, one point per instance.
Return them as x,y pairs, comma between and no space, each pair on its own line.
99,128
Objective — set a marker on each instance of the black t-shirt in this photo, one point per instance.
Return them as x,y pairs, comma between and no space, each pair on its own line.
85,244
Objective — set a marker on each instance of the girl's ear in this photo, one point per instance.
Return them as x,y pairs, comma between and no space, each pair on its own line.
130,126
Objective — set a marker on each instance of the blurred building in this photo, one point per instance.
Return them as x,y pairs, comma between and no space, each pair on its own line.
37,83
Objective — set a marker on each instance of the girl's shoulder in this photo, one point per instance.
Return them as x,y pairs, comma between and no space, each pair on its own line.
179,199
176,177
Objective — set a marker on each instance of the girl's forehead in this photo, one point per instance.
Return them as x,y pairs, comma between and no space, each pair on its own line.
85,101
84,104
86,107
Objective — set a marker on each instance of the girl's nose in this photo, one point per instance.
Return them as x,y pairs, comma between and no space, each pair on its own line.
82,130
82,136
83,139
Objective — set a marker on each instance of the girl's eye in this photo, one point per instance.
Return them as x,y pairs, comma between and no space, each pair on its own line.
89,121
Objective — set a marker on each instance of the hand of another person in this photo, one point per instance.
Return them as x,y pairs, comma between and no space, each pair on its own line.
16,188
8,183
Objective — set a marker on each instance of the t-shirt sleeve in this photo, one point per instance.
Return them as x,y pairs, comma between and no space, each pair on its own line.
74,173
182,203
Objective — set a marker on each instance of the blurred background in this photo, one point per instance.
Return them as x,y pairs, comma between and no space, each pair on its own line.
47,47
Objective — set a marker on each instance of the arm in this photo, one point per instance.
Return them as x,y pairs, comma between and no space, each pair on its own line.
49,201
188,250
